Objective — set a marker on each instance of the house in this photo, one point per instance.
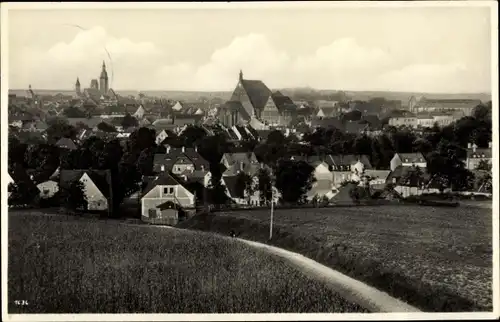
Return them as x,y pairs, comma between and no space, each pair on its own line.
324,180
279,110
376,177
442,119
409,121
240,195
431,105
162,199
179,161
250,168
46,181
66,143
18,176
230,159
97,186
328,123
161,137
406,185
202,176
408,160
347,167
348,162
139,113
425,121
475,155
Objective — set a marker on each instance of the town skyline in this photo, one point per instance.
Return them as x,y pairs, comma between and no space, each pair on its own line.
429,52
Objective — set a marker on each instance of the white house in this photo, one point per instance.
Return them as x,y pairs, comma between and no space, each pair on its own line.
161,137
164,189
139,113
408,160
96,186
48,188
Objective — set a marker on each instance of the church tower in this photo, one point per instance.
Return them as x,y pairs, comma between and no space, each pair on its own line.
103,80
77,86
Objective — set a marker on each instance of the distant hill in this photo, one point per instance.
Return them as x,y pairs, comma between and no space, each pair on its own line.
225,95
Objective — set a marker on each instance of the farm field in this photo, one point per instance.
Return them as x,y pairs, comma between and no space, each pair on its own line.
438,259
62,264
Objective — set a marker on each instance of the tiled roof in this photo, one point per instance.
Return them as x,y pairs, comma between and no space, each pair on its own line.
283,102
412,157
400,172
257,92
332,122
66,143
348,160
165,179
90,122
101,178
239,157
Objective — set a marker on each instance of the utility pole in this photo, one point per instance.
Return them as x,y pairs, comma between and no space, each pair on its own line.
272,206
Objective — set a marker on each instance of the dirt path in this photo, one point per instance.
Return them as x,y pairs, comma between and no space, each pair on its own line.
349,288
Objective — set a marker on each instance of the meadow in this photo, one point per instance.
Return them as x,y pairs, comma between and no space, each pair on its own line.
438,259
63,264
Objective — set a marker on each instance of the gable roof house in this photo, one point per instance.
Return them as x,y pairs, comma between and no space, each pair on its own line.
159,195
408,160
238,194
66,143
179,161
97,187
230,159
17,175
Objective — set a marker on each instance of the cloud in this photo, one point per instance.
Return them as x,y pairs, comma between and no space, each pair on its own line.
342,64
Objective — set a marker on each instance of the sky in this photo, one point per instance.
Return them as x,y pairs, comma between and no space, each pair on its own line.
435,50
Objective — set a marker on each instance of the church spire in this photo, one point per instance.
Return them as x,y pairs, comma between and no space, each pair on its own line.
77,81
241,74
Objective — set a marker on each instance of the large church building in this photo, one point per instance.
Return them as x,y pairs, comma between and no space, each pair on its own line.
99,91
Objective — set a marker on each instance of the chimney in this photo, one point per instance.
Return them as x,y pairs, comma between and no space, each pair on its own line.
489,145
474,146
195,148
202,167
168,149
162,168
183,149
469,145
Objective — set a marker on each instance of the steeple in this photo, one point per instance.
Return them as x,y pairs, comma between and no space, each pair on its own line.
241,75
77,86
103,80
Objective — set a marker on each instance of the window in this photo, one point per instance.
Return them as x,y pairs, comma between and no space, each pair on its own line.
168,190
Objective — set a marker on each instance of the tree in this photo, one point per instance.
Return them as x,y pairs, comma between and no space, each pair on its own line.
216,191
192,135
276,137
265,186
145,161
106,127
244,185
73,196
60,129
294,179
74,112
354,194
129,121
484,165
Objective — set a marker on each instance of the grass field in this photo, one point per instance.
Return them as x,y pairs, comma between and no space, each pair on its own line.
61,264
438,259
